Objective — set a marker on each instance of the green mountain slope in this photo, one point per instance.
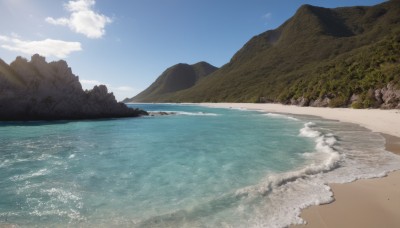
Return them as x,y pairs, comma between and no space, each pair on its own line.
319,57
176,78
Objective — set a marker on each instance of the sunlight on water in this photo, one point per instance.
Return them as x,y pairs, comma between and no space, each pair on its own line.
195,167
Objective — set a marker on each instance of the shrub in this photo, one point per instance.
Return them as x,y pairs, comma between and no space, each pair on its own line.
338,102
357,105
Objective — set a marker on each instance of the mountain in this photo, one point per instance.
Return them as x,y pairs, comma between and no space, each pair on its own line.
37,90
176,78
339,57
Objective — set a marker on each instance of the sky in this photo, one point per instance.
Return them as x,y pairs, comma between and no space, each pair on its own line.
127,44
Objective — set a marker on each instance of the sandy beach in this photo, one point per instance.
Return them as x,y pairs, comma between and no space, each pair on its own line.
363,203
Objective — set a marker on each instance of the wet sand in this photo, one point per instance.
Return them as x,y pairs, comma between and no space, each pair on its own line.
367,203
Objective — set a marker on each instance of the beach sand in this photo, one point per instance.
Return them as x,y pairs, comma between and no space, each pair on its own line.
377,120
367,203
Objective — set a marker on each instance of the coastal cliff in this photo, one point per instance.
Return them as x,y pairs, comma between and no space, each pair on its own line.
37,90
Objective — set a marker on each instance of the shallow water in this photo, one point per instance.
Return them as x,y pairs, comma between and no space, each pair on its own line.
198,167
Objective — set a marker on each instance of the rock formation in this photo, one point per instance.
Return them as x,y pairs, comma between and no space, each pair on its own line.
386,98
37,90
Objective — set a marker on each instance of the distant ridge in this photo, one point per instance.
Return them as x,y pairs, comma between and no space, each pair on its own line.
176,78
348,56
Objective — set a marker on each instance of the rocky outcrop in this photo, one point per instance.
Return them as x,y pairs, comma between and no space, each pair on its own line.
386,98
320,102
37,90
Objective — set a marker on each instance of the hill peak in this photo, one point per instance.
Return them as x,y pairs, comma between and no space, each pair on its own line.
177,77
202,63
319,21
320,56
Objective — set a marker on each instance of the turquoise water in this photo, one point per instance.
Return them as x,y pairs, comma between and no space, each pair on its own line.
198,167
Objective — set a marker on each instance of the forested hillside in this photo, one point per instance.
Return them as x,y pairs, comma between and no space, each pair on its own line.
338,57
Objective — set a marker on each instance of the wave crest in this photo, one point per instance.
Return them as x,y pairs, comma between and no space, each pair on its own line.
182,113
276,115
323,159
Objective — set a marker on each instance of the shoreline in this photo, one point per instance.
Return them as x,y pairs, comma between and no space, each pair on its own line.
362,203
383,121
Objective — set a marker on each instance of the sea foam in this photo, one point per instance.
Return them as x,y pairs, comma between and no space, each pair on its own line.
298,189
232,169
276,115
23,177
323,159
182,113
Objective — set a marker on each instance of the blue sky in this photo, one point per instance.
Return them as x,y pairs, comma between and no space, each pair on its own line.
127,44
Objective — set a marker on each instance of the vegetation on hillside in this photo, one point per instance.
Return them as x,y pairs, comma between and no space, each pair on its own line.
321,57
178,77
359,72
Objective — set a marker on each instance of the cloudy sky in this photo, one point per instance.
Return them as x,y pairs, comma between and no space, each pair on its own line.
127,44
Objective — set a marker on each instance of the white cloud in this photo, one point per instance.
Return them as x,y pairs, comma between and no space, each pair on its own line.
59,21
91,82
120,92
47,47
267,15
83,19
15,35
267,18
125,89
4,38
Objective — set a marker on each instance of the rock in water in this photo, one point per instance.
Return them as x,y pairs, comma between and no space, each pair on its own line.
37,90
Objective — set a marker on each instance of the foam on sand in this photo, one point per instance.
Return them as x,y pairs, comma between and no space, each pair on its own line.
377,120
343,153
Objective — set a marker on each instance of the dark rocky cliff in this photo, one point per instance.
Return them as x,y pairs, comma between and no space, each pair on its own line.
37,90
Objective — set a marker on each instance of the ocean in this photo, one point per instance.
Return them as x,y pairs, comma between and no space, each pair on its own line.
196,167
